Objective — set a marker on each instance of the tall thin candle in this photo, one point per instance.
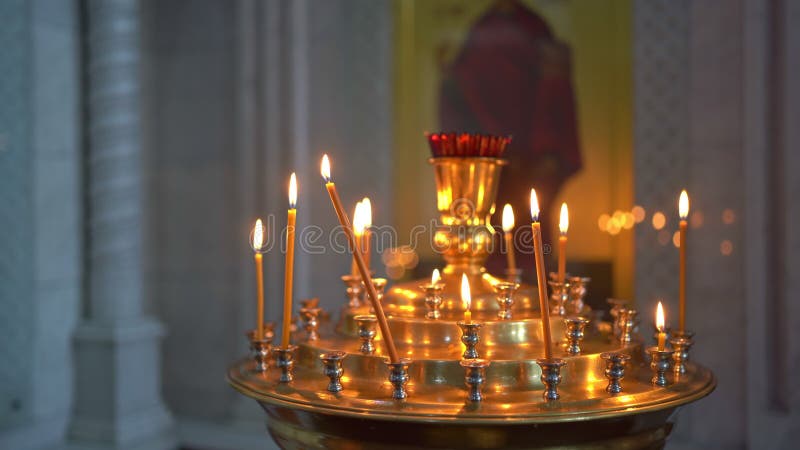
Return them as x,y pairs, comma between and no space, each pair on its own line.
289,269
683,212
466,298
563,227
358,229
258,244
383,324
662,335
540,271
508,233
366,247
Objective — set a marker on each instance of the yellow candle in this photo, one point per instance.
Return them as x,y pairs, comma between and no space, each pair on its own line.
563,227
258,243
358,229
540,271
662,336
383,324
466,298
289,269
508,233
683,212
366,249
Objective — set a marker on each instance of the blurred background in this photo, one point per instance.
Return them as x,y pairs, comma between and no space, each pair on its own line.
139,140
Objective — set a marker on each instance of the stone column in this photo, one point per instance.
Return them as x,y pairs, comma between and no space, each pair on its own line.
117,397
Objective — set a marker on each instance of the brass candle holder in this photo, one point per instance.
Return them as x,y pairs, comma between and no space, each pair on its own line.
284,360
514,275
682,343
475,377
367,324
559,295
332,368
627,323
433,299
309,316
551,376
617,305
659,364
353,290
505,298
470,337
615,370
260,348
577,294
380,288
574,333
398,377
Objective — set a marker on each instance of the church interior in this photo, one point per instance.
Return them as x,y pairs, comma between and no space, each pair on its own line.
142,140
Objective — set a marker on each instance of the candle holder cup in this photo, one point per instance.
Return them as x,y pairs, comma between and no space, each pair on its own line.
659,364
398,377
514,275
577,294
574,333
474,377
682,343
332,368
380,287
366,324
284,360
617,305
551,376
627,321
615,370
559,294
310,318
433,299
260,348
505,298
470,337
353,290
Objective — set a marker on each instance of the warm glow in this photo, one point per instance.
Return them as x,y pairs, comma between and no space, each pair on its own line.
366,205
292,191
659,220
534,206
676,239
683,205
258,235
563,221
508,218
325,168
359,221
466,297
660,318
435,277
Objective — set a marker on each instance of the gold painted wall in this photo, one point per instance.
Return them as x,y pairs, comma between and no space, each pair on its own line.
427,35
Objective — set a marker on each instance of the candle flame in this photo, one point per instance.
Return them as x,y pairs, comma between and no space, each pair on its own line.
563,222
660,318
292,191
534,206
435,277
367,207
508,218
258,235
358,219
325,168
466,298
683,205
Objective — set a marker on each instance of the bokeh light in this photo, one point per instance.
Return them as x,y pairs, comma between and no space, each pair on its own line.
659,220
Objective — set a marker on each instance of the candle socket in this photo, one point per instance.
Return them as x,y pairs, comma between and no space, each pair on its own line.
260,348
475,377
577,294
551,376
559,294
667,332
380,286
514,275
682,343
310,322
332,368
615,370
433,299
617,305
627,322
505,298
366,324
659,364
398,377
470,336
284,360
353,290
575,327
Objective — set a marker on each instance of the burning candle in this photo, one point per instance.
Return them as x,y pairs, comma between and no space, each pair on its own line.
435,277
466,298
662,336
366,249
563,227
258,244
683,212
508,233
358,229
540,271
325,170
289,269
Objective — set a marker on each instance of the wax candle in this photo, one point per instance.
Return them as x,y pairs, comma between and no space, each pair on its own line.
383,324
683,212
366,248
563,227
258,244
289,269
466,298
358,229
540,277
508,233
662,336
